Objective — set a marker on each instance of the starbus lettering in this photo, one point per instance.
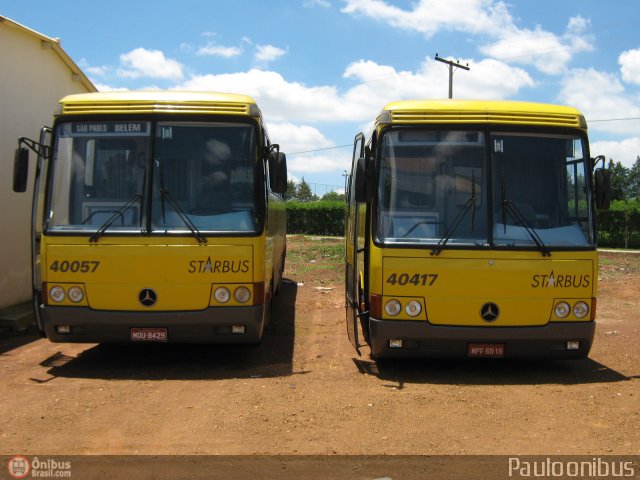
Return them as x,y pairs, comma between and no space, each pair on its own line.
218,266
553,280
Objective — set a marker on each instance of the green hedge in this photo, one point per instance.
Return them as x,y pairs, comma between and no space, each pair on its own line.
316,218
618,229
614,228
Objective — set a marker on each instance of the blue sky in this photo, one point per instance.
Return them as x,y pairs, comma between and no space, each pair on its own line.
322,69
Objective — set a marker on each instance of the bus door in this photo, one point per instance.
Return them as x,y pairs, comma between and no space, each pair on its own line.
353,246
21,167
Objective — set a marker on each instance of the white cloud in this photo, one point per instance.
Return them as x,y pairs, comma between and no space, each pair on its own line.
334,163
380,83
96,71
292,178
626,151
268,53
141,62
430,16
303,138
102,87
99,71
297,138
546,51
279,99
220,51
374,86
601,96
630,66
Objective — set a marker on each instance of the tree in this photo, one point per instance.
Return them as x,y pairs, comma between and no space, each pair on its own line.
619,180
634,180
333,197
304,193
291,192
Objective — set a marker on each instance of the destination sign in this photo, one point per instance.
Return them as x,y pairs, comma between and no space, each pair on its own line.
105,129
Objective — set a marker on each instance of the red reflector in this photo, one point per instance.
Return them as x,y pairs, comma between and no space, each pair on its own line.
375,306
594,304
258,293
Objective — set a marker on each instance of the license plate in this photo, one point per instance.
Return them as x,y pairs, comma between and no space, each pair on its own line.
485,350
148,334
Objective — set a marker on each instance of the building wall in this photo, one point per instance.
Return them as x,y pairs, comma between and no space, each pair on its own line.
33,77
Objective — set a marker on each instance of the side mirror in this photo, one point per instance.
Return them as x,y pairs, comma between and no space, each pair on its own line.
20,170
281,174
272,164
602,188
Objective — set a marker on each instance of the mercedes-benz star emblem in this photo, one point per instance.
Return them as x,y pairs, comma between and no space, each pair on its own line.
489,312
148,297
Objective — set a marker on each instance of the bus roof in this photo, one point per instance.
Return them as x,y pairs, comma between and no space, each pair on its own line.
159,101
479,111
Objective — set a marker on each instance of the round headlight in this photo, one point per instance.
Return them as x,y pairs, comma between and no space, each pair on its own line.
76,294
562,309
580,309
242,294
392,308
413,308
57,293
222,295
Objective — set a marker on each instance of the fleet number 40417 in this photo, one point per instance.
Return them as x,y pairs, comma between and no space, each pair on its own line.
417,279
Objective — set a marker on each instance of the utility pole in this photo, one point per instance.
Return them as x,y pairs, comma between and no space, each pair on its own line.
451,64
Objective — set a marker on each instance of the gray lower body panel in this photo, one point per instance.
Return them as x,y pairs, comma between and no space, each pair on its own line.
422,339
212,325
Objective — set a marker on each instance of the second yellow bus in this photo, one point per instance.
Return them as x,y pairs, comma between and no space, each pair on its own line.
470,232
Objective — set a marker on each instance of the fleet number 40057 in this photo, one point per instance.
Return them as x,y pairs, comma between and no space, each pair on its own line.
74,266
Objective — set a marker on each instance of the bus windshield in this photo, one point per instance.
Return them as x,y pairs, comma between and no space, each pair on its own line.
480,188
157,177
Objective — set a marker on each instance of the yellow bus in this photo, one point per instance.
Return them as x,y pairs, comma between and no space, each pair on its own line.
158,217
470,231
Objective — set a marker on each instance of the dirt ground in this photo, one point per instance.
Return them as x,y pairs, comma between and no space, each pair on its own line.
304,390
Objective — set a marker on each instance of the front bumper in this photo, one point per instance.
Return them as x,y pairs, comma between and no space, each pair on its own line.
212,325
422,339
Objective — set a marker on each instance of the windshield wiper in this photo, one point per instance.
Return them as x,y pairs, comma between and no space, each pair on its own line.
183,215
469,205
416,225
136,198
509,206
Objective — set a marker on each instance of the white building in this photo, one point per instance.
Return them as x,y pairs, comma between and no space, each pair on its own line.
35,72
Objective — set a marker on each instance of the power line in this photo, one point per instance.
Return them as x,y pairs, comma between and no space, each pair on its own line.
320,149
613,119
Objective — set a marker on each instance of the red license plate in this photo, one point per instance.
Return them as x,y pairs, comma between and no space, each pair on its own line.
486,350
148,334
